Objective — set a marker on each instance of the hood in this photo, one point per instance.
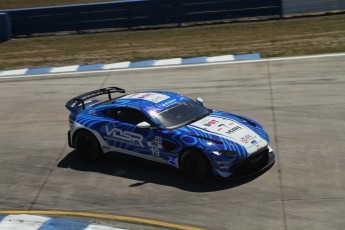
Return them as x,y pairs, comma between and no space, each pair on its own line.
231,129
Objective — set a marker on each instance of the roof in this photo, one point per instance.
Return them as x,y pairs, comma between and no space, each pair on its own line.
148,100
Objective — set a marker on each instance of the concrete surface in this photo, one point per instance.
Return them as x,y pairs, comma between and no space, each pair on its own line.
301,103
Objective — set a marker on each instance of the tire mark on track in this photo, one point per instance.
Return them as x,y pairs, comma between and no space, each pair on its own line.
275,128
59,156
105,79
51,169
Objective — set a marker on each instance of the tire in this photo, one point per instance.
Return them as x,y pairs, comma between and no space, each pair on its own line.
195,165
88,146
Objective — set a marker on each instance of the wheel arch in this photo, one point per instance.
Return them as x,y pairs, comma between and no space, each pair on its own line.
75,133
192,148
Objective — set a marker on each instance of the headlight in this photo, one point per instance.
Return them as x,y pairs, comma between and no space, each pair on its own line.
225,153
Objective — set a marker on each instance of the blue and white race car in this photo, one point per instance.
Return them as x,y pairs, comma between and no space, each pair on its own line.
169,128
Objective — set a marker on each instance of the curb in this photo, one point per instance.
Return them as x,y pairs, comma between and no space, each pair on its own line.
126,65
128,219
23,221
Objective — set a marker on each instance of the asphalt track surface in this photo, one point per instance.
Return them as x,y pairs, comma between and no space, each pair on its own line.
301,103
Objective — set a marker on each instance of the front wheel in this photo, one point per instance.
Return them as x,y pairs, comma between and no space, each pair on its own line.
195,165
87,145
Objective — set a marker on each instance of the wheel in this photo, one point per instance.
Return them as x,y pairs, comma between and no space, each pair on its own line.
195,165
88,146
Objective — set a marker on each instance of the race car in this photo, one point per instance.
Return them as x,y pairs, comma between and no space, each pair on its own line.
169,128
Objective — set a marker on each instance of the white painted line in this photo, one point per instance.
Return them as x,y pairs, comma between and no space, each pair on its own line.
172,61
221,58
70,68
118,65
13,72
32,222
98,227
27,222
182,66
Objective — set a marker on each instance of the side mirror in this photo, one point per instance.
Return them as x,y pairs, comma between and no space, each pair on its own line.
143,125
200,101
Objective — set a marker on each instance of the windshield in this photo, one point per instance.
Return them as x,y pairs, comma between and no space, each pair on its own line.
182,114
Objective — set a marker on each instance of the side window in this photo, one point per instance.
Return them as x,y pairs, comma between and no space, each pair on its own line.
127,115
111,113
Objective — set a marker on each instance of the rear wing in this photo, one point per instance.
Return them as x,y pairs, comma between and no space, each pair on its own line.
73,104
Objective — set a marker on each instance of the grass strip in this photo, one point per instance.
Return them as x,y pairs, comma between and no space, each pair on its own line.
288,37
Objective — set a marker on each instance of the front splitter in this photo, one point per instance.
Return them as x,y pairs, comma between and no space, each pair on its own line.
270,162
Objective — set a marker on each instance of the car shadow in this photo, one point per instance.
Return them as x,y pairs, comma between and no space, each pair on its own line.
145,171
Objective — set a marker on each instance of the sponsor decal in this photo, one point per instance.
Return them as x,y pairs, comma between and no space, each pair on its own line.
254,142
158,139
247,138
167,104
210,123
127,137
223,165
106,147
231,123
156,146
224,125
234,129
223,162
93,112
153,97
172,160
144,96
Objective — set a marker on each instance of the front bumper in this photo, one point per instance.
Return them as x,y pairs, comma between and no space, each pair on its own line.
248,168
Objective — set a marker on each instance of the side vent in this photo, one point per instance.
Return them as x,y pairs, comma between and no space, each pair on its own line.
169,146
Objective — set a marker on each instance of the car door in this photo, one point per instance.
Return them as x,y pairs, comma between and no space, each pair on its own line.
123,135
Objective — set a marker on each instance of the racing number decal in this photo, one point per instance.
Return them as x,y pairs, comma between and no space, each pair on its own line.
158,139
155,152
156,146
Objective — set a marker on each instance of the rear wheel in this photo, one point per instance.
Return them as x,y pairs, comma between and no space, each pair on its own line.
88,146
195,165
